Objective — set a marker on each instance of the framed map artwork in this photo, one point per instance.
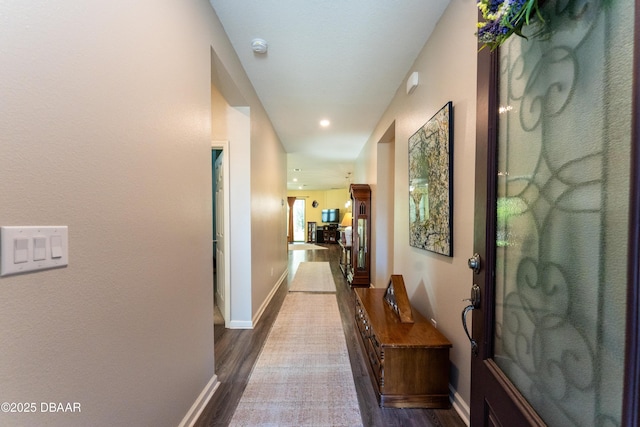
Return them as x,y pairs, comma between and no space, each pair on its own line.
431,184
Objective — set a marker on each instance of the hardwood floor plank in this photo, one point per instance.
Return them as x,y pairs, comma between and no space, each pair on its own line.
236,351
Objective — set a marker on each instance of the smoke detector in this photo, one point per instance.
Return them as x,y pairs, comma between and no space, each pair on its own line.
259,45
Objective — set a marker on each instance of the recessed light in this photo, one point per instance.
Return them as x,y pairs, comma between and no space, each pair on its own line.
295,179
324,123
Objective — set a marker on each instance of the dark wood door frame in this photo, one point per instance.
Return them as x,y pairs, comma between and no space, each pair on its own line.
485,225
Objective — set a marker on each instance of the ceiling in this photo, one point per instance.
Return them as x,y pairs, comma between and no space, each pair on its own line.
340,60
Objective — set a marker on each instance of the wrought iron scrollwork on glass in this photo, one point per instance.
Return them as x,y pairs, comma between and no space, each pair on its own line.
552,214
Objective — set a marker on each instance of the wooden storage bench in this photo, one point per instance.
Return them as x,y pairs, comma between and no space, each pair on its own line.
408,357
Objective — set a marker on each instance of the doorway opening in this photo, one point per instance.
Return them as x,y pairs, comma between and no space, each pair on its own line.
218,237
382,233
298,220
220,227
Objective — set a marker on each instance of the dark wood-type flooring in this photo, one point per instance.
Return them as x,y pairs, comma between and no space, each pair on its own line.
236,351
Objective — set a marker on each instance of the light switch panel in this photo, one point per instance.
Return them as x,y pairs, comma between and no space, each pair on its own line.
30,248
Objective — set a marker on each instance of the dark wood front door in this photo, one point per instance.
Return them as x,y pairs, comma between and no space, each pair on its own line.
556,223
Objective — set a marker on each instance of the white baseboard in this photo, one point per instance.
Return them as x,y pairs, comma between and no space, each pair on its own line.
240,324
244,324
267,300
459,405
198,406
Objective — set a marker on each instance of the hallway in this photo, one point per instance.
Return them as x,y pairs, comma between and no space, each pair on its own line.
237,350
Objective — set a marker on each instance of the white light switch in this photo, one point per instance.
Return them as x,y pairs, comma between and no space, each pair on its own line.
56,247
24,249
39,248
20,250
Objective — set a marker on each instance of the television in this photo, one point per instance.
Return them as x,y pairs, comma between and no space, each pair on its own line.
331,215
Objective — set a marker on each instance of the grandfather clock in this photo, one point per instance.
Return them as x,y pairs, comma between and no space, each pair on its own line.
359,274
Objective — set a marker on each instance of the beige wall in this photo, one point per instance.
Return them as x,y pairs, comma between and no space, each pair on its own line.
327,199
436,284
269,253
106,128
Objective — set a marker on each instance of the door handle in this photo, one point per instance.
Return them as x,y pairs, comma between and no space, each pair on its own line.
475,303
474,344
475,296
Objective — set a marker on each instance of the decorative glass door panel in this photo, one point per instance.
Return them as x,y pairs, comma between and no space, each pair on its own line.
562,203
362,243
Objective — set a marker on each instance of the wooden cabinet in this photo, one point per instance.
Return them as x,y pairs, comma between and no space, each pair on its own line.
312,230
408,358
328,234
359,273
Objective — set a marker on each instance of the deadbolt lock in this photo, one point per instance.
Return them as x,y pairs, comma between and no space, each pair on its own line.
474,263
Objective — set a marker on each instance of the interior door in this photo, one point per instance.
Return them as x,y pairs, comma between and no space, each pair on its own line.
553,180
221,296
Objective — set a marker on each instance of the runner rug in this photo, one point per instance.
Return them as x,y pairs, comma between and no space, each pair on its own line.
303,376
313,277
304,247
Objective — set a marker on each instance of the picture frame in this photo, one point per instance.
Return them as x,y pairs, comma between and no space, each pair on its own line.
431,184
